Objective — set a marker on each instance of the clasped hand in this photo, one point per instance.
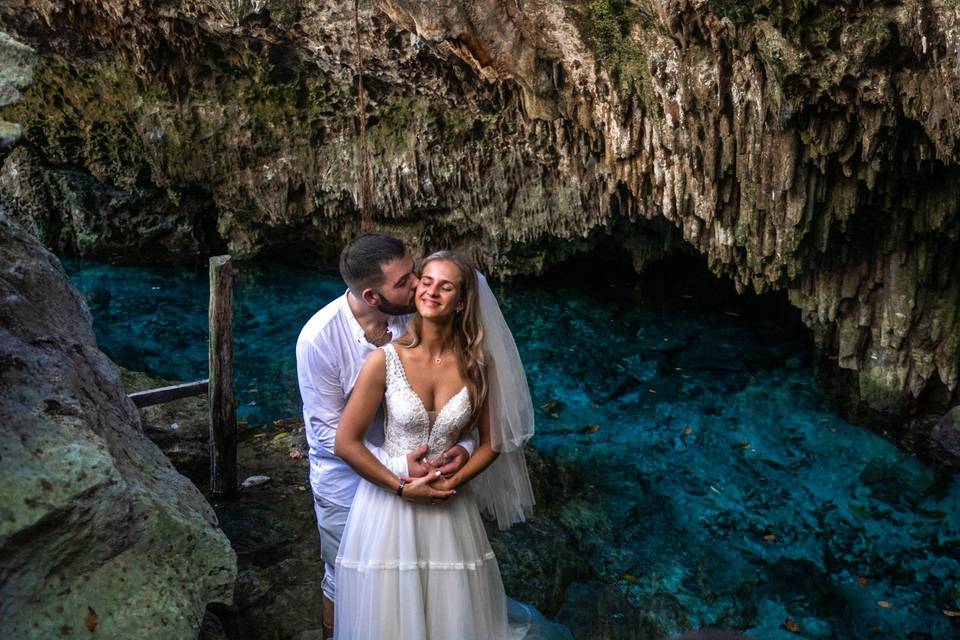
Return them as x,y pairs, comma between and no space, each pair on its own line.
429,480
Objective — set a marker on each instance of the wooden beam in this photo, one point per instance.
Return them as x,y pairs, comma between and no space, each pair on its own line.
223,408
150,397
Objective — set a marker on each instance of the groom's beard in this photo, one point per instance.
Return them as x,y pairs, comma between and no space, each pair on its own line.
392,309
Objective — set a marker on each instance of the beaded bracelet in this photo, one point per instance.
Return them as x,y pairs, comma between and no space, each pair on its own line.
403,483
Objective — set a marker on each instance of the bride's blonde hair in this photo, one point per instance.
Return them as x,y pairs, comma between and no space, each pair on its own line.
467,332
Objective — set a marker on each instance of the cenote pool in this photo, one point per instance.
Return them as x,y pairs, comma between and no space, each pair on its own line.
723,483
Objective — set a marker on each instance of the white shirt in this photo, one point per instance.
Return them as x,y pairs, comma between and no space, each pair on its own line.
331,351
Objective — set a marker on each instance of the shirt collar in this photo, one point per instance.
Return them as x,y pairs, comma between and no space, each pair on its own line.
355,327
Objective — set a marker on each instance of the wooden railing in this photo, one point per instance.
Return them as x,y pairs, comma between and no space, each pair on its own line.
160,395
218,387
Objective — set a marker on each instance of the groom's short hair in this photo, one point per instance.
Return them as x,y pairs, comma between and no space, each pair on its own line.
362,259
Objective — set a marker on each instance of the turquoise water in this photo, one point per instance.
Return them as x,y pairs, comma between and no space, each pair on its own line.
722,482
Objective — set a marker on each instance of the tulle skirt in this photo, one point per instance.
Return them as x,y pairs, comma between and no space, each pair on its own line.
417,571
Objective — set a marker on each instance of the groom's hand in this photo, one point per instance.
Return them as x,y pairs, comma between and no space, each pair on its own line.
453,460
416,465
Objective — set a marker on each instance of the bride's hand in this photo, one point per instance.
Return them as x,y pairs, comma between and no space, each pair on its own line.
445,483
422,489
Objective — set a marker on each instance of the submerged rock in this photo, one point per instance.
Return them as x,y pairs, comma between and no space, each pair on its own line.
99,534
947,432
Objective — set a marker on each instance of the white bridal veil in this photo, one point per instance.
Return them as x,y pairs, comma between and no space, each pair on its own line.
503,490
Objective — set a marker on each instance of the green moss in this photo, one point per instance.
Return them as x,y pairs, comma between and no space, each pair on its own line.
808,23
743,12
873,33
303,100
606,27
82,116
400,119
881,389
126,131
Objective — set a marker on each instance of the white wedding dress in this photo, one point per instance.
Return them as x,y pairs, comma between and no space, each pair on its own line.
414,571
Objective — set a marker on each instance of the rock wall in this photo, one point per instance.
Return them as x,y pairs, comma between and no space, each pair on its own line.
800,145
99,536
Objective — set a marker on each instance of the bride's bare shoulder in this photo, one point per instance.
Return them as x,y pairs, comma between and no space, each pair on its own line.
374,367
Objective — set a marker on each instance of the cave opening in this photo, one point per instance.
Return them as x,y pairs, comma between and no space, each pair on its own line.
677,282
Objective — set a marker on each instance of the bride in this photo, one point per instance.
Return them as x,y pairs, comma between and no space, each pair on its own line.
414,562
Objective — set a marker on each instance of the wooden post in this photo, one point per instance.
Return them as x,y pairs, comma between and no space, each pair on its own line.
223,408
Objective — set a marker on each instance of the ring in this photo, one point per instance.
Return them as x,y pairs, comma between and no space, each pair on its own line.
438,473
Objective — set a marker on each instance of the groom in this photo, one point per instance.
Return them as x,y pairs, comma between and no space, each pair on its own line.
331,350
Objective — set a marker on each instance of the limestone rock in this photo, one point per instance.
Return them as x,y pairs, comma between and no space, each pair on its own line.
809,147
17,65
947,432
10,133
99,535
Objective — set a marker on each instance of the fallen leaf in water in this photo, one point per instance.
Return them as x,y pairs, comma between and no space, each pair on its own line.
741,445
687,431
280,436
715,490
632,579
770,537
593,428
791,626
652,391
259,435
551,406
253,391
554,415
278,424
90,622
295,453
862,581
950,613
884,604
300,487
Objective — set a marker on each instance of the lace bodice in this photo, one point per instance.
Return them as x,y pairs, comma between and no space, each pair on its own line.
407,422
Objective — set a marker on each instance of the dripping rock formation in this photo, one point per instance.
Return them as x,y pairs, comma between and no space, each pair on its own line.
805,146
